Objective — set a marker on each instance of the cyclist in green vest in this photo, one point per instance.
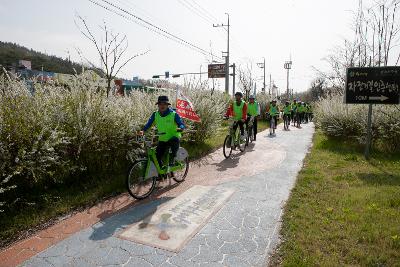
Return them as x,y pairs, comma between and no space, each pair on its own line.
238,110
169,125
253,112
294,110
310,112
273,115
306,112
287,111
301,110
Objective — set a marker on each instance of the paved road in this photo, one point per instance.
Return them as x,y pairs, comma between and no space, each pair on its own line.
242,233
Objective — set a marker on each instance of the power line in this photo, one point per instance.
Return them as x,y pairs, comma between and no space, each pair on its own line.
150,29
145,14
194,10
209,18
154,26
205,11
150,26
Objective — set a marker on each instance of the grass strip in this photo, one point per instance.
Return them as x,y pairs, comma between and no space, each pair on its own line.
344,210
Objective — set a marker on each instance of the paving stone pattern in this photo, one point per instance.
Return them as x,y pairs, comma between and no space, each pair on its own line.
242,233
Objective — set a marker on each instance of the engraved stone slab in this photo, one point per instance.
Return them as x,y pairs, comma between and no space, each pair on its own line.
177,221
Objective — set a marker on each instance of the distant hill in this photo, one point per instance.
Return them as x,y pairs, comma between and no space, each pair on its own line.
10,54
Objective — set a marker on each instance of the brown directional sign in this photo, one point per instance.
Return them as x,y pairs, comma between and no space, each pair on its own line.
216,70
374,85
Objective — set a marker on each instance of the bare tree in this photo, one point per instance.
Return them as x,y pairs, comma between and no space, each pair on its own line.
376,42
245,78
111,47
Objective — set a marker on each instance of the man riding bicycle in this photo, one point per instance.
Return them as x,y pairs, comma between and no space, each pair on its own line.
294,110
287,111
238,110
252,112
169,125
273,114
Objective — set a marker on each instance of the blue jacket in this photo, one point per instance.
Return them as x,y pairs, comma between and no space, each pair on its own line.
178,119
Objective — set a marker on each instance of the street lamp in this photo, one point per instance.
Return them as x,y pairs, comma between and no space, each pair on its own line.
288,66
262,66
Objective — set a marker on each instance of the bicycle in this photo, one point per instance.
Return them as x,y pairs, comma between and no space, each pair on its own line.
250,131
233,140
286,120
144,172
296,120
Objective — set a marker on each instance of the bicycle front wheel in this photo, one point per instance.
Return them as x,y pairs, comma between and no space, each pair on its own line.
227,147
137,184
251,135
242,144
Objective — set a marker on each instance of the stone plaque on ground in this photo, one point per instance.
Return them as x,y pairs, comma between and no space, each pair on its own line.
177,221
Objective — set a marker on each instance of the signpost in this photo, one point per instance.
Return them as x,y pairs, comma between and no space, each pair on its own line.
375,85
372,85
216,70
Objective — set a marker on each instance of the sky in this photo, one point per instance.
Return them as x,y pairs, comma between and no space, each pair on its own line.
303,30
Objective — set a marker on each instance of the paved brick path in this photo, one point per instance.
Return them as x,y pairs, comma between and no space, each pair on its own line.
243,233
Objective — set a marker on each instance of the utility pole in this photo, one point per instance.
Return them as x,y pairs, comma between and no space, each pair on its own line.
227,55
264,76
288,66
270,84
234,78
262,66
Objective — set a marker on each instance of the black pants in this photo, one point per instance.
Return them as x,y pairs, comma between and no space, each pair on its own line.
301,118
286,117
241,125
255,122
163,148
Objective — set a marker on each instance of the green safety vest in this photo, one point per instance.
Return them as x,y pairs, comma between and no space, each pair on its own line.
273,111
287,110
252,109
238,110
167,125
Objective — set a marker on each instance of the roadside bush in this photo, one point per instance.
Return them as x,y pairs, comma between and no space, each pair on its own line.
337,119
264,100
71,134
209,106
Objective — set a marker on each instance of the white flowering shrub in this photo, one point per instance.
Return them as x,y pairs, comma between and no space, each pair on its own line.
63,133
337,119
264,100
211,108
